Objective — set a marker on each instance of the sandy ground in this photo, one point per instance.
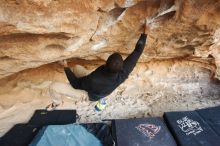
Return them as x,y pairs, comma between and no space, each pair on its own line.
144,94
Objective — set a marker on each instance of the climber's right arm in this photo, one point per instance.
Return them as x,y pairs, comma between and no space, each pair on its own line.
131,60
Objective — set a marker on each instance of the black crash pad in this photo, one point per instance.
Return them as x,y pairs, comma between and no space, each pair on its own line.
102,131
142,132
19,135
191,129
55,117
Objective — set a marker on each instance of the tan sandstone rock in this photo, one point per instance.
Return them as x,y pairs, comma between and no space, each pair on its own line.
37,32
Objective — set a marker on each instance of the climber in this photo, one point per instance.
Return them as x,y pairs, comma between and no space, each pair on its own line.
106,78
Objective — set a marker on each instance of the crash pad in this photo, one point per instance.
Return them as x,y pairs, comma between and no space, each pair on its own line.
194,128
142,131
102,131
19,135
65,135
212,117
23,134
56,117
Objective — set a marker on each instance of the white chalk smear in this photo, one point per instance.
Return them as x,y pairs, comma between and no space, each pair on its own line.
99,45
128,3
152,20
75,45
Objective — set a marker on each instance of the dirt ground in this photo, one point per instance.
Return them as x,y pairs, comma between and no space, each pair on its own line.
151,90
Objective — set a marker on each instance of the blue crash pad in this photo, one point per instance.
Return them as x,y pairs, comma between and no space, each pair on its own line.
211,117
142,132
195,128
65,135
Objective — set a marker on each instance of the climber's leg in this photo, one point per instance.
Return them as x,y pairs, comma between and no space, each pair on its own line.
58,90
101,104
57,99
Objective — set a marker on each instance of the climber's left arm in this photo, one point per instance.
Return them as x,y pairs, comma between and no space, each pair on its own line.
74,81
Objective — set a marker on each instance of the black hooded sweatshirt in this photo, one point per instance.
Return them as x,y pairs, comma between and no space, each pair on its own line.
101,82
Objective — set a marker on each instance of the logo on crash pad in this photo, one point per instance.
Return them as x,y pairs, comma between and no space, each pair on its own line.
189,126
149,130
